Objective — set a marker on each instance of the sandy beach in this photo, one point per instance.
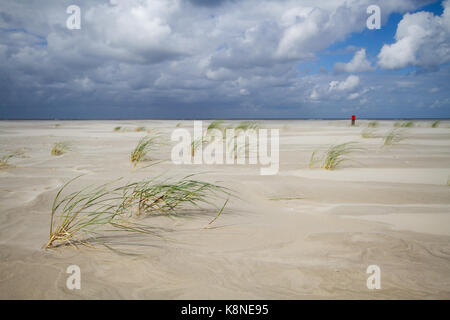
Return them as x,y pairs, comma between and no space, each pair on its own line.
300,234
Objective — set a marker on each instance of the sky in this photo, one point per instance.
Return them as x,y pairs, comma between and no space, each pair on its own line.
204,59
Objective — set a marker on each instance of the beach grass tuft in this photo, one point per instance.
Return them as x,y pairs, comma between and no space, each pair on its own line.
4,160
435,124
79,216
144,146
216,124
373,124
368,134
314,159
394,136
247,125
210,134
408,124
117,128
195,144
334,156
140,129
150,197
59,148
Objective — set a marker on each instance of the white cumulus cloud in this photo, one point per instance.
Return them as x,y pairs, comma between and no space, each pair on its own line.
359,63
348,84
422,39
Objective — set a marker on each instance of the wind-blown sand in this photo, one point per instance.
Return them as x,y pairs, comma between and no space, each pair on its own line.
300,234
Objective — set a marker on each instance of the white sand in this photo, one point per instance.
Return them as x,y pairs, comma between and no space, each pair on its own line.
434,223
390,207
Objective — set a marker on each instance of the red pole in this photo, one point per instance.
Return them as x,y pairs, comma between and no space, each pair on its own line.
353,120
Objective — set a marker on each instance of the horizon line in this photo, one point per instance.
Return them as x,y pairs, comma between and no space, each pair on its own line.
217,118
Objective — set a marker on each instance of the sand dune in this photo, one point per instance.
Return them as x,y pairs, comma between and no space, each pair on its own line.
300,234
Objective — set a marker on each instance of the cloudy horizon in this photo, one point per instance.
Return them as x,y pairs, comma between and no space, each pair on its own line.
224,59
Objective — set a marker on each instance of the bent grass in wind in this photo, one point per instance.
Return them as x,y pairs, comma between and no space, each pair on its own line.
435,124
4,160
408,124
394,136
247,125
144,146
243,127
368,134
140,129
59,148
334,156
195,144
149,197
208,137
218,124
81,212
76,217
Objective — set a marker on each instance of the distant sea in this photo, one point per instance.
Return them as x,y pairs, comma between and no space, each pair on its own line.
181,119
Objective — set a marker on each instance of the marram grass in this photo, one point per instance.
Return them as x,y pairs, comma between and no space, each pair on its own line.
148,197
144,146
4,160
59,148
79,216
140,129
435,124
216,124
368,134
334,156
394,136
408,124
247,125
195,144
